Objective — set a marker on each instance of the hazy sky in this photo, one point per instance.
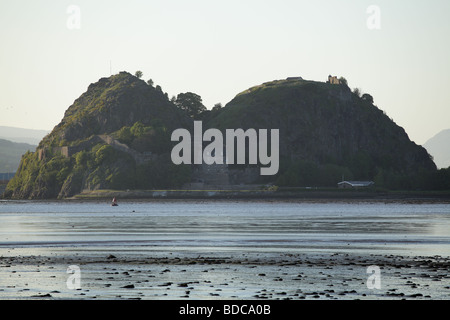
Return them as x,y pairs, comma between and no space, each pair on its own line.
220,48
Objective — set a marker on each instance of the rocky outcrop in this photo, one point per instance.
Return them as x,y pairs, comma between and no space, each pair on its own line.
84,151
117,136
326,124
112,103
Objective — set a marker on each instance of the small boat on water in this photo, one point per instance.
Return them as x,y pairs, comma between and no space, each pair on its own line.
114,202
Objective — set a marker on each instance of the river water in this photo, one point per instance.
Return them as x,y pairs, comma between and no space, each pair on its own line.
210,226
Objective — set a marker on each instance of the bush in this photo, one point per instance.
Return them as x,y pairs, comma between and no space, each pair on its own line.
124,135
105,153
138,74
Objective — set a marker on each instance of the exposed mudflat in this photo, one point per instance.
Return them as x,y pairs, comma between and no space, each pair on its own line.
223,276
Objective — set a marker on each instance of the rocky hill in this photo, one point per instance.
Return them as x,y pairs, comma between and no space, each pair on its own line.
112,103
326,132
117,136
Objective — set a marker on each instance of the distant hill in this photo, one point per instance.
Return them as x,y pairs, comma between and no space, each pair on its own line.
439,148
11,153
22,135
116,136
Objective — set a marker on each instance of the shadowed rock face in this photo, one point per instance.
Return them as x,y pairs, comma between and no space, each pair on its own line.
324,123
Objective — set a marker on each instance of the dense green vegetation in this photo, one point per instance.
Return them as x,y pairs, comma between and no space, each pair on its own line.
101,167
39,179
143,138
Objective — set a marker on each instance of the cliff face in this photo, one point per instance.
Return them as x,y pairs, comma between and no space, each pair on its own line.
117,136
325,126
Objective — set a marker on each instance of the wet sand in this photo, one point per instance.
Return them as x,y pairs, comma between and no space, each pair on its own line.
146,274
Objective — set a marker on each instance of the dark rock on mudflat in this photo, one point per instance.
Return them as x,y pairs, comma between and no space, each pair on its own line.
48,295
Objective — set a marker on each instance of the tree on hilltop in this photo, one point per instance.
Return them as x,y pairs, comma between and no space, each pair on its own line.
217,107
138,74
367,97
342,80
357,91
191,103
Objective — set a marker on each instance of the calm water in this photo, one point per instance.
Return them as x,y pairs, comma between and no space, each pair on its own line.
397,228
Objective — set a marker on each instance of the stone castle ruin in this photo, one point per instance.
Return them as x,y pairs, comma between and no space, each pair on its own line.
333,80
